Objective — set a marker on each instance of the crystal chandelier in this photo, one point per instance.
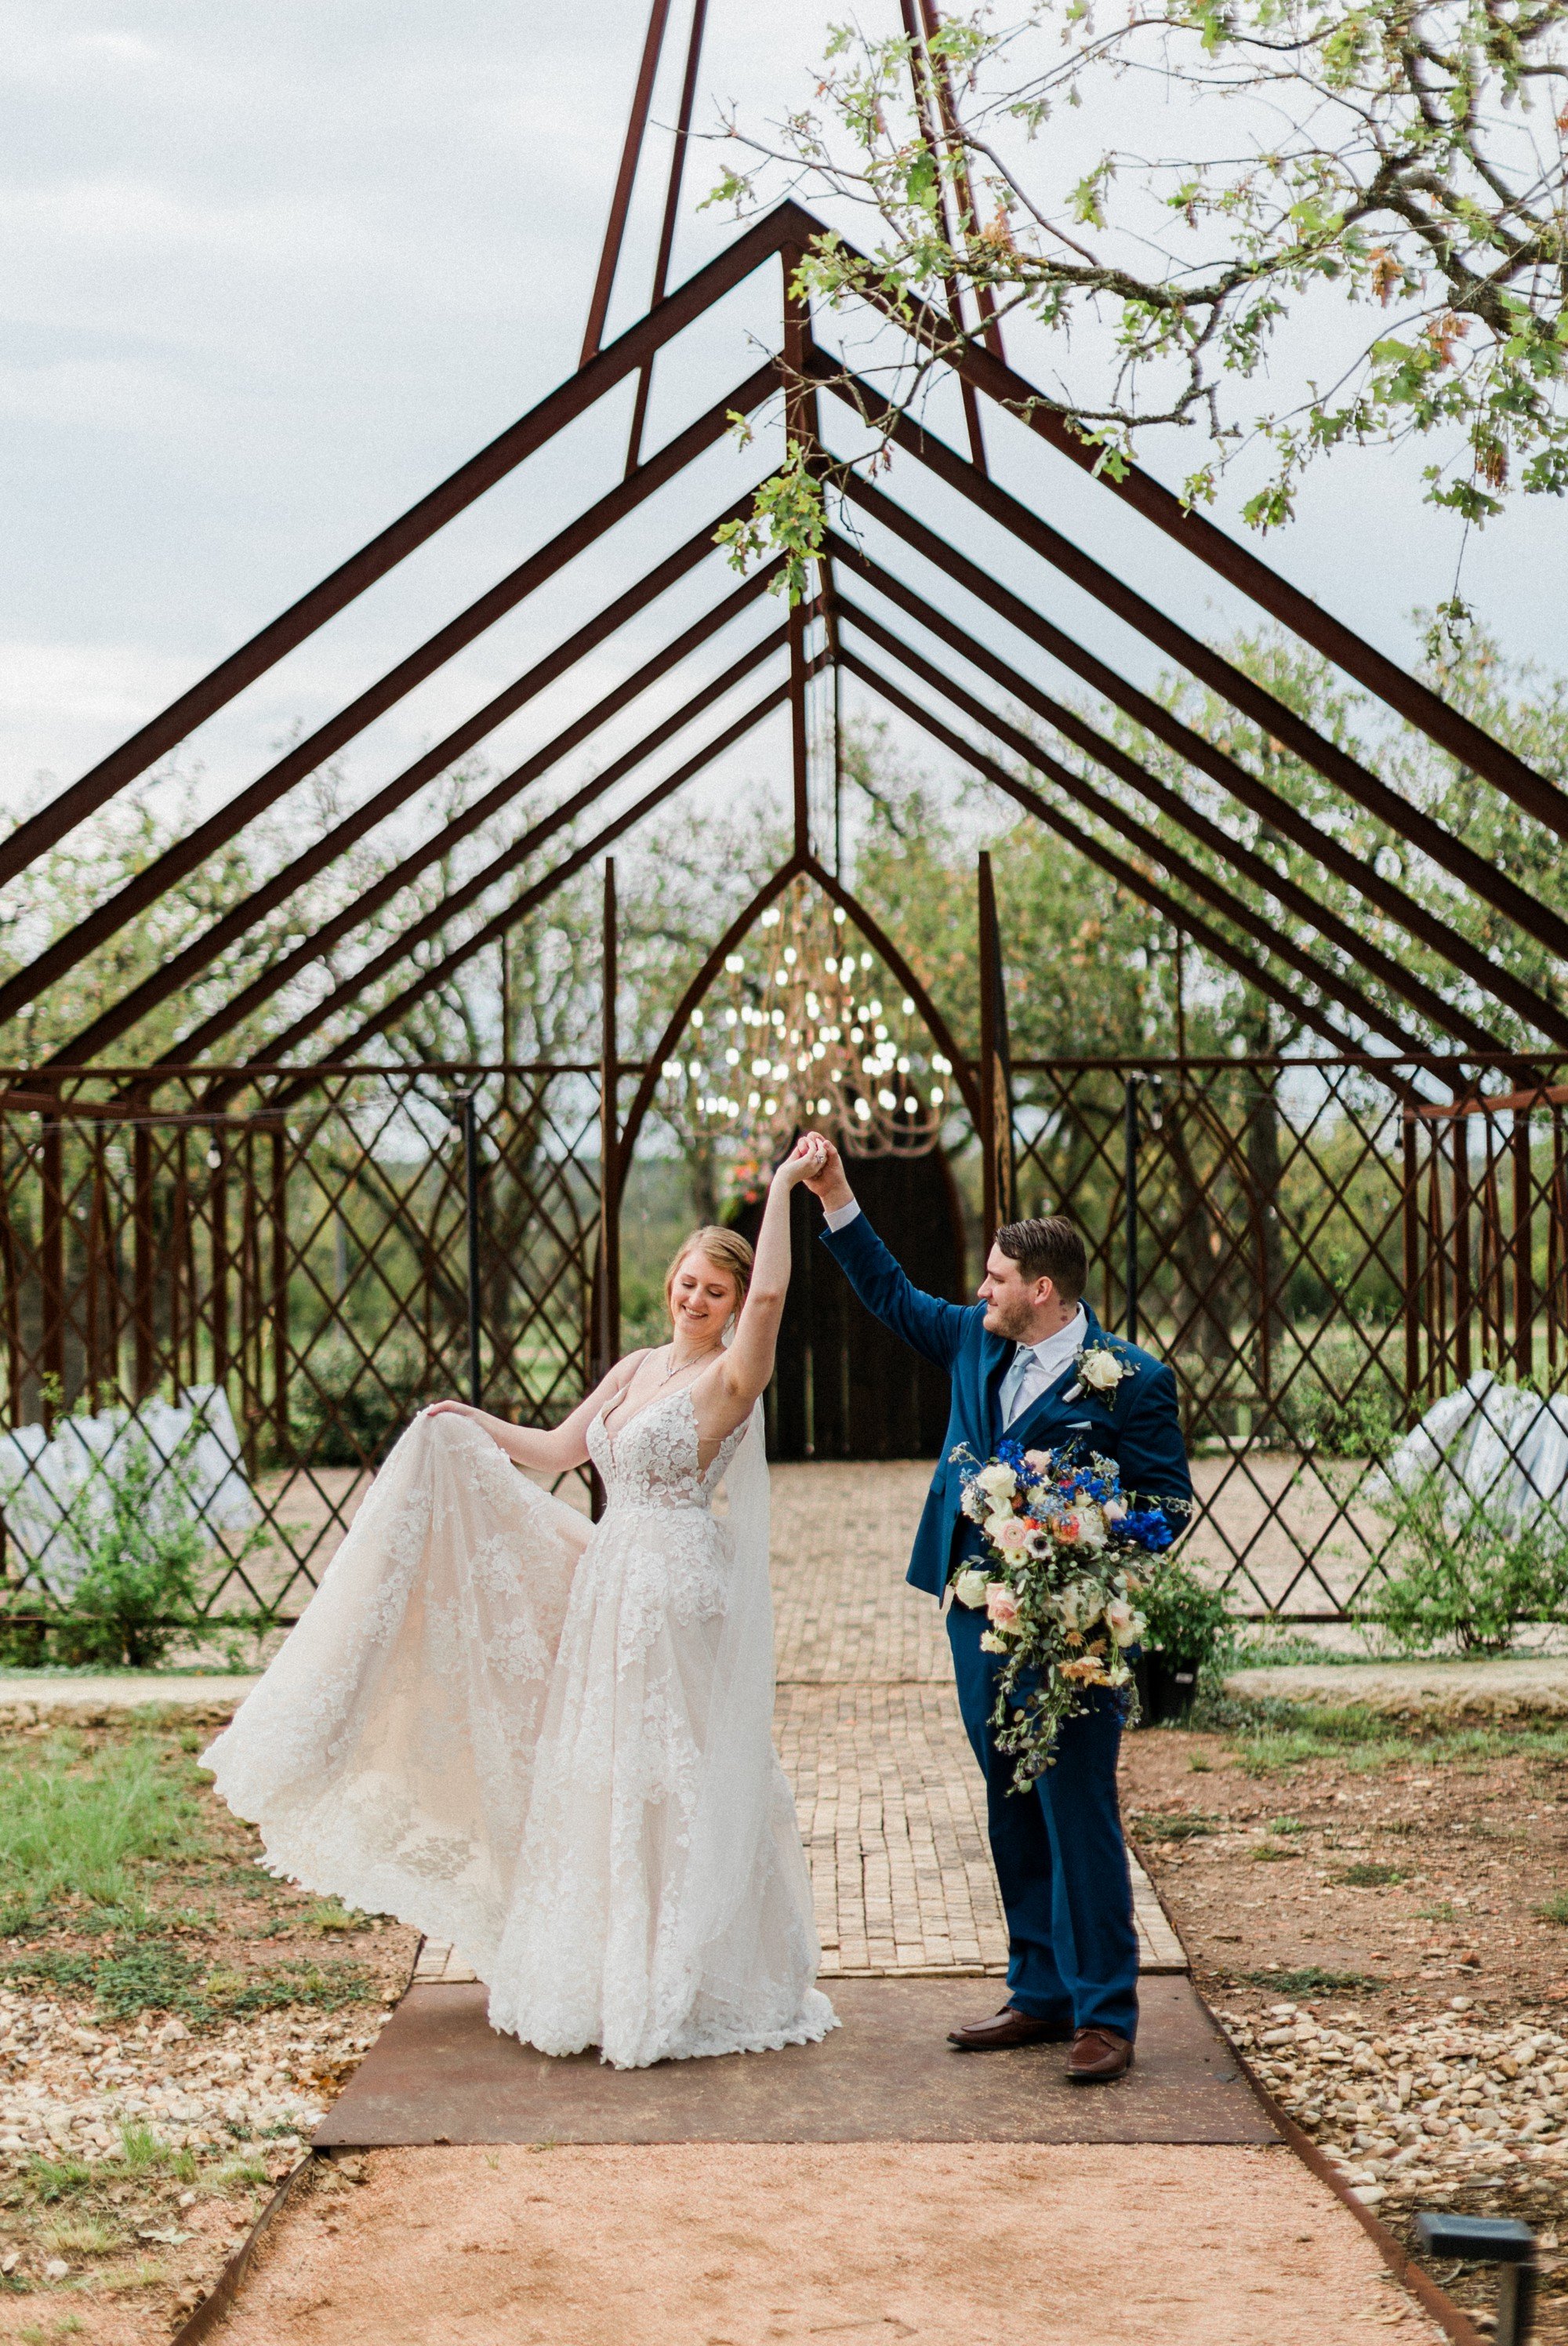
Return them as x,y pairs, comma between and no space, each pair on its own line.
807,1028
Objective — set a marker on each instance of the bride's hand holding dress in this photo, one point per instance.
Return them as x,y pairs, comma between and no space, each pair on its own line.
551,1744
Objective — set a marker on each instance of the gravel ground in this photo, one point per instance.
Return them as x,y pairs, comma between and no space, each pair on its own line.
139,2144
1377,1923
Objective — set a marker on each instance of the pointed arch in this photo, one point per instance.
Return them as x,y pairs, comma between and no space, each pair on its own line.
796,867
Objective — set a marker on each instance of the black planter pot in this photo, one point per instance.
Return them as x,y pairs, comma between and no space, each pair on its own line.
1166,1686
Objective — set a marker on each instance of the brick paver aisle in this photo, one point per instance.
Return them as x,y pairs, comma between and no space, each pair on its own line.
889,1799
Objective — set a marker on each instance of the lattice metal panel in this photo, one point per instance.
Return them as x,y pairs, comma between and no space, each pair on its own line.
1271,1277
294,1266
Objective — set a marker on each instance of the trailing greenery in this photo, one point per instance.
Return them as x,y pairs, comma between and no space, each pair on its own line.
1393,159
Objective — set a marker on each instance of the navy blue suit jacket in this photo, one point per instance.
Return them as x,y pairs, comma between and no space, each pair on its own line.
1136,1424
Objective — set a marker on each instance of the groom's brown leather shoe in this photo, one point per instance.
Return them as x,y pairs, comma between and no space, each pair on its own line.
1098,2054
1010,2027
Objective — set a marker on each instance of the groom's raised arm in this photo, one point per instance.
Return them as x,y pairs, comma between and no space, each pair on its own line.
924,1321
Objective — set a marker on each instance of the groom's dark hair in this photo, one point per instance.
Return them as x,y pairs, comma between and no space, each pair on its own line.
1049,1247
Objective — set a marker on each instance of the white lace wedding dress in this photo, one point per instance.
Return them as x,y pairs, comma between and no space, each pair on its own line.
552,1744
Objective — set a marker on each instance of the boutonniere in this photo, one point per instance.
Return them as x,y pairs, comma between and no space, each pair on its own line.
1100,1371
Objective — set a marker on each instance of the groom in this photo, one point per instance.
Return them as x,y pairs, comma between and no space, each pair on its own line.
1014,1361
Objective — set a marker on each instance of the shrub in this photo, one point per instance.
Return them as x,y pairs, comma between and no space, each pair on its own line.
141,1589
1187,1618
1470,1576
347,1404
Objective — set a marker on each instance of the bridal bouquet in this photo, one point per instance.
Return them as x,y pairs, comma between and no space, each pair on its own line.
1070,1556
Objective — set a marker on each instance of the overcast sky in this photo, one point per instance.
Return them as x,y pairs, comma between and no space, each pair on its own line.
268,273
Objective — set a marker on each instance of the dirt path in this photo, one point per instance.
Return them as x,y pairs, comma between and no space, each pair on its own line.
748,2245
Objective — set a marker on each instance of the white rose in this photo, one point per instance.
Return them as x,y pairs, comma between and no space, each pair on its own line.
999,1480
1091,1527
1101,1372
995,1523
970,1587
1078,1604
1121,1620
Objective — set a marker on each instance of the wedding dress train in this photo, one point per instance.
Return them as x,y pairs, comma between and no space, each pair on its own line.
551,1744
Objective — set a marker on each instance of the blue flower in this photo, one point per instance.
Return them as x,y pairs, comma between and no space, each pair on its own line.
1146,1527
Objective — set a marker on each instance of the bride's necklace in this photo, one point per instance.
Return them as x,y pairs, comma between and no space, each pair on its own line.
675,1366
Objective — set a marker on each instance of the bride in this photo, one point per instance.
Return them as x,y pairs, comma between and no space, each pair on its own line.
551,1743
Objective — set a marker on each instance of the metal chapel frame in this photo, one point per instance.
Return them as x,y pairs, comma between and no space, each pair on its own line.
88,1132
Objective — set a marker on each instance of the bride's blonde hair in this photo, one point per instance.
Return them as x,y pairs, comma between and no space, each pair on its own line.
725,1249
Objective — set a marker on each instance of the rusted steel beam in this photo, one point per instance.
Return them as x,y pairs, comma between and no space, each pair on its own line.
1138,883
926,109
185,854
1167,802
609,1262
183,967
477,885
1357,873
1147,843
626,180
1280,723
1394,686
941,76
532,898
671,212
51,1268
393,544
501,794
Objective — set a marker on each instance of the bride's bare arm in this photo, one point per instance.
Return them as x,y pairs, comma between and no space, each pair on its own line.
554,1449
744,1369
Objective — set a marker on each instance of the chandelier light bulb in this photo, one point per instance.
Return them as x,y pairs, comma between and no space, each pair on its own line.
820,1056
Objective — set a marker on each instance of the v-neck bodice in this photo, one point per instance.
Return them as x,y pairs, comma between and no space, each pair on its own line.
653,1459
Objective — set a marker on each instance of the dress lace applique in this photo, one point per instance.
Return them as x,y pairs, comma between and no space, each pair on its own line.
555,1754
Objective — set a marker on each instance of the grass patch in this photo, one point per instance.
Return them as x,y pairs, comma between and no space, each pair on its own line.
86,1824
331,1916
1286,1825
81,2236
1271,1852
1274,1737
1312,1981
141,1975
1553,1908
1181,1824
1370,1877
143,2156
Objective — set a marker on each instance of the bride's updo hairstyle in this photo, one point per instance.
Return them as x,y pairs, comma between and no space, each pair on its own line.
727,1250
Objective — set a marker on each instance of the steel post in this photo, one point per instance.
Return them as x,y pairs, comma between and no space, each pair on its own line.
1130,1196
470,1122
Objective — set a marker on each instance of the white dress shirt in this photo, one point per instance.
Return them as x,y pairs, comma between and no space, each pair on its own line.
1035,1366
1032,1366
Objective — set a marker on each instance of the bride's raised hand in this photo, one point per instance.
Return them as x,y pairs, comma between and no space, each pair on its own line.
806,1162
452,1409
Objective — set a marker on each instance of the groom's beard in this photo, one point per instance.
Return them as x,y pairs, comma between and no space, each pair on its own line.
1008,1319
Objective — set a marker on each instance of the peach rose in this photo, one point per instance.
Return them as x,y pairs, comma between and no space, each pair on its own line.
1011,1537
1002,1607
